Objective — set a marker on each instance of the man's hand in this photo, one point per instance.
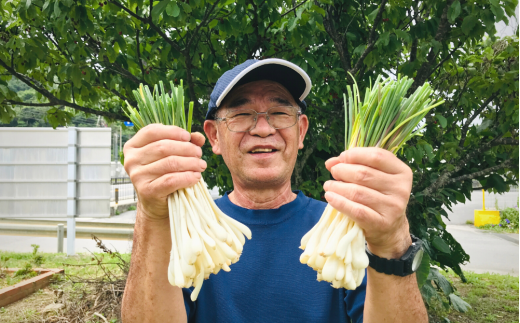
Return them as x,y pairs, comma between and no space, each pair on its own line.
372,186
160,160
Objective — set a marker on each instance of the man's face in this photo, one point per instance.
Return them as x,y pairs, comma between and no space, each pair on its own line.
249,165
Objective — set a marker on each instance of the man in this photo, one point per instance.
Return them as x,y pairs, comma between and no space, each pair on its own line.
256,121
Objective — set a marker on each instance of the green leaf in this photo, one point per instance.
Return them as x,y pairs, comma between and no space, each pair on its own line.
484,125
57,10
403,35
159,8
454,11
428,292
186,7
372,15
442,120
441,281
75,75
439,244
213,23
468,24
360,49
459,304
172,9
424,269
498,12
27,4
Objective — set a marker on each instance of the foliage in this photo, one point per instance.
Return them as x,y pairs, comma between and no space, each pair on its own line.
508,222
492,297
88,56
443,294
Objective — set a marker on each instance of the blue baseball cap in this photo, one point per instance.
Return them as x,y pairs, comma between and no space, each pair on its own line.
291,76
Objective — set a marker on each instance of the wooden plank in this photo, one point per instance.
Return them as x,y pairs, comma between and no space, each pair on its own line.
24,288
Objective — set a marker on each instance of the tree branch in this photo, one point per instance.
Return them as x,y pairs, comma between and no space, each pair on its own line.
55,101
148,21
445,177
442,31
371,39
338,40
506,163
28,104
464,130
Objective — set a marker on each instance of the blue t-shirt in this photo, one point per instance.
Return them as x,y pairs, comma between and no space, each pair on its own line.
268,283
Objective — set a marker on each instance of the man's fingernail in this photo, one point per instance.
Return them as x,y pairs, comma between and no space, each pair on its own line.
326,185
203,164
185,136
199,152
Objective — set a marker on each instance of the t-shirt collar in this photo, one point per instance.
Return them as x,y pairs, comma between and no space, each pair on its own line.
266,217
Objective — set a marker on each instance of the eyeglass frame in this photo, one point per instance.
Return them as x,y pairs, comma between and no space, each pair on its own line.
298,114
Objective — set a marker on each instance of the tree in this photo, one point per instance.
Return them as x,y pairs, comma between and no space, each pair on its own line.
89,55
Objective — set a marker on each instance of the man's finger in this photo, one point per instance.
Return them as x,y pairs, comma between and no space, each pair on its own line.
164,148
364,216
155,132
373,199
171,164
169,183
197,138
332,162
365,176
376,158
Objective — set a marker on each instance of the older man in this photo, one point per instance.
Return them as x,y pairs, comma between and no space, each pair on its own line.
256,121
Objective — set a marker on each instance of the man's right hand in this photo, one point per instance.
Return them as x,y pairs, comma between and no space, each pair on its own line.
160,160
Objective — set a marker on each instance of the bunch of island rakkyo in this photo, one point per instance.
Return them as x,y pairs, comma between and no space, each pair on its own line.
205,240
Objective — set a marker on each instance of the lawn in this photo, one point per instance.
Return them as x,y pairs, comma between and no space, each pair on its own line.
493,297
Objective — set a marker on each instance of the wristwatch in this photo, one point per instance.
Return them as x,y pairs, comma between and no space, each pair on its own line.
404,266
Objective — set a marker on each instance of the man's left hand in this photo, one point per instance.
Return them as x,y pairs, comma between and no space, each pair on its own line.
372,186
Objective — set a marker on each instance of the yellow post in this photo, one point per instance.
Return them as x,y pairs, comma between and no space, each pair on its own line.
483,217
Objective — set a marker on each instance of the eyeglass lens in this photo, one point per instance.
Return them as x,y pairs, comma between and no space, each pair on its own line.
245,119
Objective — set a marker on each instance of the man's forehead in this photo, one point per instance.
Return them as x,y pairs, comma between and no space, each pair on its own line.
270,90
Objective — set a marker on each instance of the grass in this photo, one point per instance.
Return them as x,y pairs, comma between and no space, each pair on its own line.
493,298
498,229
81,266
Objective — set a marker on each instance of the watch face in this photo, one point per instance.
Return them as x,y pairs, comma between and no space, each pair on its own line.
417,260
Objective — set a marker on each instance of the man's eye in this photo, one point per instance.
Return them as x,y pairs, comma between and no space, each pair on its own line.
280,114
241,114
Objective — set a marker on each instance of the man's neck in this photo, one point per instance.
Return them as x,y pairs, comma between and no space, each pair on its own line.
258,198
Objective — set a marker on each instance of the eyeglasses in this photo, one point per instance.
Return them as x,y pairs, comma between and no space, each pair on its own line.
245,120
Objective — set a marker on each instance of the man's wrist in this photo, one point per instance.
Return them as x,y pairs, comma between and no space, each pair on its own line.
145,217
392,251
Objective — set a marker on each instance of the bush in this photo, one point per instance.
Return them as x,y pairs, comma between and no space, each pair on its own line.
509,218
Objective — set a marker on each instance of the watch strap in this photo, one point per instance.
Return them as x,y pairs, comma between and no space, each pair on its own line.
398,267
386,266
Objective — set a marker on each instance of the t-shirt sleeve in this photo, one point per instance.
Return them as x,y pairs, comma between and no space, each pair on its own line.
189,304
355,301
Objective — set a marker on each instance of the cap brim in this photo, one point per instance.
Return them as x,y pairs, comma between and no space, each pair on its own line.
291,76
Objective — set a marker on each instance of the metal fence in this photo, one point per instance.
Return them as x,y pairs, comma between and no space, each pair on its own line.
121,188
47,172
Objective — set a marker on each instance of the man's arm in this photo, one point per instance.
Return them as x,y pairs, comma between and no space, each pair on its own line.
373,187
392,298
159,160
148,296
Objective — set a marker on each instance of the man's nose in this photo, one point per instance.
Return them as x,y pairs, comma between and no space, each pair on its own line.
262,129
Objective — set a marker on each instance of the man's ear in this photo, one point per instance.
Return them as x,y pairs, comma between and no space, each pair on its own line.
211,130
303,127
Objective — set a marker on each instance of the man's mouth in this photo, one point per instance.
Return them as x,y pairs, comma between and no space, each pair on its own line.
262,151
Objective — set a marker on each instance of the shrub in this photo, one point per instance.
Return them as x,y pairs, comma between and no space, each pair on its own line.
509,218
